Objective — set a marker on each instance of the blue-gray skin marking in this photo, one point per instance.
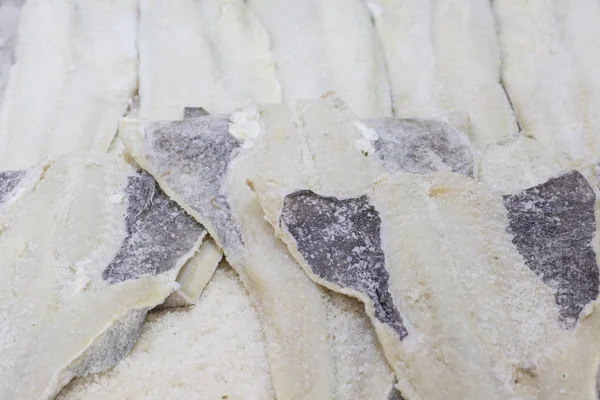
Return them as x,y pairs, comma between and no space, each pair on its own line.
112,346
421,146
9,180
553,225
395,395
192,157
194,112
159,232
340,241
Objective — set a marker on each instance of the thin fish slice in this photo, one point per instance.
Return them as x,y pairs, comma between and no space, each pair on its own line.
85,255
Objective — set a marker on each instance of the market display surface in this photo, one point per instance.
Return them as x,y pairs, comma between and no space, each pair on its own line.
298,200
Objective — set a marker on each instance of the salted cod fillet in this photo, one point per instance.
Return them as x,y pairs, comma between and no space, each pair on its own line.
209,53
488,296
321,46
73,103
310,357
198,270
182,67
549,66
441,56
88,246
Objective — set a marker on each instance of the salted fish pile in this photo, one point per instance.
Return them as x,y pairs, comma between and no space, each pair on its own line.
258,199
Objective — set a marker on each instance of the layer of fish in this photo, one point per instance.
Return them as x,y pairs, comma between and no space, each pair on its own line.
549,66
196,273
10,11
210,53
87,250
473,295
322,46
443,56
306,360
72,104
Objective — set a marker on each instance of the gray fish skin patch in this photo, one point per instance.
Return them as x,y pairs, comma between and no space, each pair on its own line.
421,146
9,180
159,232
200,150
553,225
194,112
112,346
341,243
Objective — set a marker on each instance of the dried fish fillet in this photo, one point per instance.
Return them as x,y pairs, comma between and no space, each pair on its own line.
212,53
204,167
172,78
72,104
460,281
322,46
443,56
85,255
549,66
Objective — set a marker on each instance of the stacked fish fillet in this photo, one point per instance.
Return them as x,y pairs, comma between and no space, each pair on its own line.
334,199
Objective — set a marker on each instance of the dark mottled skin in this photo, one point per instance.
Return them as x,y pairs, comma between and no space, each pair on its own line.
193,156
9,180
341,243
112,346
159,232
194,112
395,395
421,146
552,226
